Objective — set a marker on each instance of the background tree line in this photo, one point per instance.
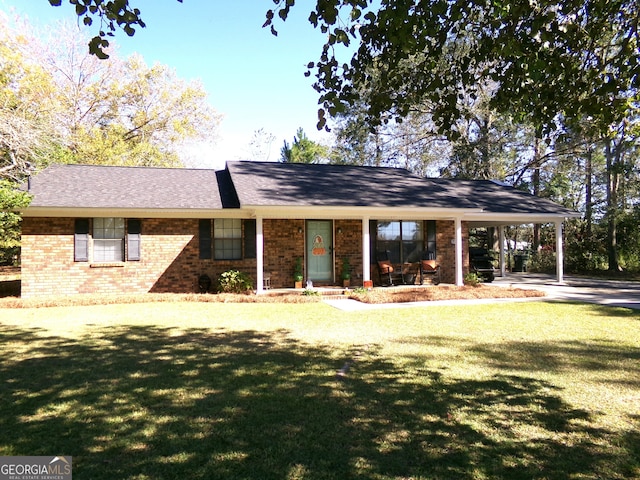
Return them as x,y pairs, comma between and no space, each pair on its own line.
597,175
59,104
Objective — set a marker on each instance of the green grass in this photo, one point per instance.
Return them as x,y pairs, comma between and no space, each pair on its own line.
304,391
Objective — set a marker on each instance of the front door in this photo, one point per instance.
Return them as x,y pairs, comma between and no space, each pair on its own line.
320,250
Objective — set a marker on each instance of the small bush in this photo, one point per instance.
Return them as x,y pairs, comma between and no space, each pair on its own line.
471,279
234,281
307,292
543,261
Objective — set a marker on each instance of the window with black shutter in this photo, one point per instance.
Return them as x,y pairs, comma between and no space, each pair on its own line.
134,239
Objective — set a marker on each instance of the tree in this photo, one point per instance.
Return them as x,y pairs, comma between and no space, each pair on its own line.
303,150
112,15
552,58
11,200
27,106
549,58
260,145
123,112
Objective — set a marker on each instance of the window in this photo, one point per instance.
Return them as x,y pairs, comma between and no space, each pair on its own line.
108,240
400,241
227,239
227,235
108,237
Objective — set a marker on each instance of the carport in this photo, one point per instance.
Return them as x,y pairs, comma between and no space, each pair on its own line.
500,205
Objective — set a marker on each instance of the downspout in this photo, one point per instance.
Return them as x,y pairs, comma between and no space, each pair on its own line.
259,256
458,252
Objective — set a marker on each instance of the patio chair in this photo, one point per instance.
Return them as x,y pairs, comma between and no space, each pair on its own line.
386,271
429,268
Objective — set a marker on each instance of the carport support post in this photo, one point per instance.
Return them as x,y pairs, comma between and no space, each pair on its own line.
501,240
259,256
559,253
458,243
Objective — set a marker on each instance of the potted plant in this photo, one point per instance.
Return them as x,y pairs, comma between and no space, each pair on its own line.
297,273
346,272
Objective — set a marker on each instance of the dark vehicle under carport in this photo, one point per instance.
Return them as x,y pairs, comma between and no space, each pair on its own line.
481,263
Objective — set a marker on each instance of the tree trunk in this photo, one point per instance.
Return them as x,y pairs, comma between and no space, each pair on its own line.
588,195
536,190
612,155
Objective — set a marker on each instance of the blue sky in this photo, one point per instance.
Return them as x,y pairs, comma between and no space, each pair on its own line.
254,79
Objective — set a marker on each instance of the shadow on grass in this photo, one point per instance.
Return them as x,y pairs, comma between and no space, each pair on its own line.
143,402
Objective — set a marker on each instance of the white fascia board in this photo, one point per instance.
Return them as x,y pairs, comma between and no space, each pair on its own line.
337,213
60,212
496,219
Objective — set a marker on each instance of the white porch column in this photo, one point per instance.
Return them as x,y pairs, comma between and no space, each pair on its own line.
366,250
458,244
559,253
259,256
501,240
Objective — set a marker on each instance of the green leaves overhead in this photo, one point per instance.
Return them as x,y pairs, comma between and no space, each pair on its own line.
113,14
549,59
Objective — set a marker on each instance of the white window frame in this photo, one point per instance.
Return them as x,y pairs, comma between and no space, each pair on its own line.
108,239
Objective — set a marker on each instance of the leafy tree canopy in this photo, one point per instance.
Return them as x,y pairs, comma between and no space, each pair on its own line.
112,14
549,59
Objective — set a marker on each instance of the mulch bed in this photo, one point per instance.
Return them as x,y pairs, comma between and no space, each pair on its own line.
376,296
442,292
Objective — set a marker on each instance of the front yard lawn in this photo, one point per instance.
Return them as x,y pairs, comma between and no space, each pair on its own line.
303,391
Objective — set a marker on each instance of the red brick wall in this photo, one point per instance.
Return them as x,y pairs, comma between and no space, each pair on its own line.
170,257
170,261
445,250
283,243
348,244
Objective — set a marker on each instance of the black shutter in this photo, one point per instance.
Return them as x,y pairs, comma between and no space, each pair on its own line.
373,240
249,239
205,243
81,240
134,239
431,240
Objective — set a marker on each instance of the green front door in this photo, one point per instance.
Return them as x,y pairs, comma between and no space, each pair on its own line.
320,250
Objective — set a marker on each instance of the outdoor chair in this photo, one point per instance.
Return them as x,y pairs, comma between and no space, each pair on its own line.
429,268
387,273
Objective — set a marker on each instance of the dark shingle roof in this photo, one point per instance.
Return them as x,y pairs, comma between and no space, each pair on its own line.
498,198
295,184
273,184
268,184
131,187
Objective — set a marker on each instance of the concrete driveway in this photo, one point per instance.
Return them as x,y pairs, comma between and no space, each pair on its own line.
612,293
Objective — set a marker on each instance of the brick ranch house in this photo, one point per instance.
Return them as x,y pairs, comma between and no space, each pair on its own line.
96,229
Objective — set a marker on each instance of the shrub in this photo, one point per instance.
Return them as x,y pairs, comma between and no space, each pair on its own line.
307,292
471,279
234,281
543,261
